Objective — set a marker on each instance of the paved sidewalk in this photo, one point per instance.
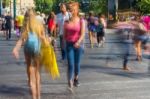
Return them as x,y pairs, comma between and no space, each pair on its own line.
101,75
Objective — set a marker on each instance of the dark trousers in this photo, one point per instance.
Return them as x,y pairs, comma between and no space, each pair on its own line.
127,51
63,48
8,33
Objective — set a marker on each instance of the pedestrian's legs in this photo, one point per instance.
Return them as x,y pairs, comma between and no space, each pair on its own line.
63,49
139,51
103,40
98,38
70,57
94,40
125,62
31,76
91,39
4,32
78,54
19,30
37,77
127,46
9,32
137,45
29,68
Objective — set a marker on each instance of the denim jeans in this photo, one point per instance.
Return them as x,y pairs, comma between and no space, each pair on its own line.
127,47
63,48
143,38
127,51
74,59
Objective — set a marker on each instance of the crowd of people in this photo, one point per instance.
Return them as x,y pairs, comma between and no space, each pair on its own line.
70,26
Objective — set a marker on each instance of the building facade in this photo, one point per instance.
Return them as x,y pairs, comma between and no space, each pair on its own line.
21,6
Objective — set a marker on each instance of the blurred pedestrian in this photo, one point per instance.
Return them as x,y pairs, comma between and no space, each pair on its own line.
60,19
32,35
74,31
92,28
8,25
101,28
141,37
51,21
3,24
19,23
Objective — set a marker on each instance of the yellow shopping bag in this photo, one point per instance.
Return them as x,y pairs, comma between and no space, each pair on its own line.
48,59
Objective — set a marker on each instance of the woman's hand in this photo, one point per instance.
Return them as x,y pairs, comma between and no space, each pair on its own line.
77,45
15,53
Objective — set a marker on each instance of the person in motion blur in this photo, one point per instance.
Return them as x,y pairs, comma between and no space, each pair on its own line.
74,31
32,35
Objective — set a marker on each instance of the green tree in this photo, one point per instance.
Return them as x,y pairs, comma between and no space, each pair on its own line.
98,6
57,2
6,3
143,6
44,6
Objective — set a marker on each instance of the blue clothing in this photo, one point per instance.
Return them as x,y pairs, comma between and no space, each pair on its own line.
143,38
74,59
32,45
91,24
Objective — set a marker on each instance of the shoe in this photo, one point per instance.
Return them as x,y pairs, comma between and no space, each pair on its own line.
76,83
139,58
70,90
126,68
98,45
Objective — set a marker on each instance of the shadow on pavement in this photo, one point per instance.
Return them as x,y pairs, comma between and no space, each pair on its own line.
116,71
13,90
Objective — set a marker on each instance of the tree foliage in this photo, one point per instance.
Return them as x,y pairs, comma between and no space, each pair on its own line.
6,3
44,5
143,6
98,6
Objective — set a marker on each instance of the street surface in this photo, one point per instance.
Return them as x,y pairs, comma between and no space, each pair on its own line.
101,74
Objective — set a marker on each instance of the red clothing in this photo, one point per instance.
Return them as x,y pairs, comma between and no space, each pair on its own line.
72,31
51,23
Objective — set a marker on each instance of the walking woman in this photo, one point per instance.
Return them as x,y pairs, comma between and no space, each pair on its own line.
74,31
140,39
101,30
52,27
51,24
92,28
32,36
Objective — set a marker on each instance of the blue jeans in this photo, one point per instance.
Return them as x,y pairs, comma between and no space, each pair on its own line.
63,50
143,38
74,59
127,51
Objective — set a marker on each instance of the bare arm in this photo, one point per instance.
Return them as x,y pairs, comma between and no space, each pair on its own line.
82,32
17,47
103,22
64,34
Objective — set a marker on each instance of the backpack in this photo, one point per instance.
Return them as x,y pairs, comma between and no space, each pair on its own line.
32,44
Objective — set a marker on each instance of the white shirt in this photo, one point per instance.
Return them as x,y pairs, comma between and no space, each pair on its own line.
40,19
60,19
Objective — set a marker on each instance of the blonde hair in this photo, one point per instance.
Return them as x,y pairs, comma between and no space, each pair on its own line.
73,3
31,24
